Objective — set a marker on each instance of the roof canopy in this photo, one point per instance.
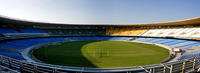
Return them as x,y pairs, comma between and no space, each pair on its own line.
192,21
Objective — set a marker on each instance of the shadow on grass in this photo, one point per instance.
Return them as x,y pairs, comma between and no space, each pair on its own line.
58,55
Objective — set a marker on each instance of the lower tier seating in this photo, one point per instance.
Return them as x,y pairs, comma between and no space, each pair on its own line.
11,54
190,54
20,44
176,43
1,35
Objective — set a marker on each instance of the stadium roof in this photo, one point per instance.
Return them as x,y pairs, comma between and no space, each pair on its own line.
192,21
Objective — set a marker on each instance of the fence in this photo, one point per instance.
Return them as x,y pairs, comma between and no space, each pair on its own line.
173,67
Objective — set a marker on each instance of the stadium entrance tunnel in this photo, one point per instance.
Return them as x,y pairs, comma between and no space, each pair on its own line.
101,54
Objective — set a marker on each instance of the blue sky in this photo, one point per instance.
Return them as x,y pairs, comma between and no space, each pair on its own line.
100,11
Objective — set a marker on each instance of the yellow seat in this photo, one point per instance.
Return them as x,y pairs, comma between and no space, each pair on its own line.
125,32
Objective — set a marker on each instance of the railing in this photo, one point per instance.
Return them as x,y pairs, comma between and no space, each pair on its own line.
172,67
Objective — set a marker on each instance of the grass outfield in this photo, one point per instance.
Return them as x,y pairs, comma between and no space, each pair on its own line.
102,54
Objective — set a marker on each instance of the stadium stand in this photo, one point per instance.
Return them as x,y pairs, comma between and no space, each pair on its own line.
11,54
7,30
178,35
185,43
125,32
190,46
31,30
176,43
16,29
1,35
192,32
9,46
30,42
19,30
74,31
190,54
25,43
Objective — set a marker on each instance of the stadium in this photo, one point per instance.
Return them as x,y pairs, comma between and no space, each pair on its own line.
169,47
99,36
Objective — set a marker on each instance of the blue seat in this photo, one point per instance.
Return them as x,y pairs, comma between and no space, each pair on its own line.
184,43
31,30
165,41
10,46
7,30
11,54
174,42
190,46
191,54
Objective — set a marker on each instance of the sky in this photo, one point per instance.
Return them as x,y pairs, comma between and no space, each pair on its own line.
100,11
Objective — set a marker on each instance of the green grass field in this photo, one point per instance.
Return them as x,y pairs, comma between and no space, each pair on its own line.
102,54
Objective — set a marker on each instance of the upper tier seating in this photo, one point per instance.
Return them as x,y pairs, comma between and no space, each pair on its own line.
31,30
7,30
99,38
125,32
193,32
75,31
174,32
21,32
